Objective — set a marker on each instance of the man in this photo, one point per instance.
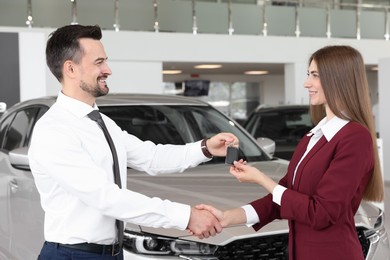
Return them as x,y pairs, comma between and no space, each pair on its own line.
72,163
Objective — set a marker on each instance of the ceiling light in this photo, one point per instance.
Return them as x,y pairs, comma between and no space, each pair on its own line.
208,66
171,72
256,72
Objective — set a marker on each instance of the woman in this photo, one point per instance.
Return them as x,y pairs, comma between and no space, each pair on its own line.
334,167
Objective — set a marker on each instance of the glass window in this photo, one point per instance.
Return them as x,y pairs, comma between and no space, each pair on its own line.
41,112
285,126
147,123
237,99
19,130
4,127
171,124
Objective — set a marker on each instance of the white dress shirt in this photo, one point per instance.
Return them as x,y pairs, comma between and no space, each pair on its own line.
72,166
323,128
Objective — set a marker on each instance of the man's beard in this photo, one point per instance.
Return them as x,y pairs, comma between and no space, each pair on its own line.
95,91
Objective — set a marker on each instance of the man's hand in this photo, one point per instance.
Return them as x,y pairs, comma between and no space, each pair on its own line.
203,224
236,216
217,145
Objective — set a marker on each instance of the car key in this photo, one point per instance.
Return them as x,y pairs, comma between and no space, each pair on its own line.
231,155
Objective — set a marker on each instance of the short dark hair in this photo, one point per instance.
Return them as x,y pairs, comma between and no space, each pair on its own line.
63,45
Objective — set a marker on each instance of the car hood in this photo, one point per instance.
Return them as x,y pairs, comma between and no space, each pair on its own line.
213,184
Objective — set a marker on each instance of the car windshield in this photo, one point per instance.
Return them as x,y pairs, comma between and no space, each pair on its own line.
174,124
280,126
286,126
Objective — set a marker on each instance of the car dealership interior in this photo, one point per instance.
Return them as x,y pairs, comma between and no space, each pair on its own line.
233,54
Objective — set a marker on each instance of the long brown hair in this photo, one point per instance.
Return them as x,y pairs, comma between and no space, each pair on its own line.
344,81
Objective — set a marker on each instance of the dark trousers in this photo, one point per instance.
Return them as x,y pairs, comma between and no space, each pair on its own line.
51,251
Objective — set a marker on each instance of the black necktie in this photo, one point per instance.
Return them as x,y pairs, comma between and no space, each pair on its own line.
95,116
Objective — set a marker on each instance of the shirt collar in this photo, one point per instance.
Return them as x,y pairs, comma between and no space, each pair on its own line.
328,128
76,107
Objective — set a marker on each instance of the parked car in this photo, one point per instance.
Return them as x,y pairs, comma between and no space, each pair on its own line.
284,124
162,119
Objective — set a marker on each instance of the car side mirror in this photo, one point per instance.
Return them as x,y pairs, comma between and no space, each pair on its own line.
267,144
19,158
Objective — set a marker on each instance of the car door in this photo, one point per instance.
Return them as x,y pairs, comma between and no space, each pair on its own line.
5,179
21,224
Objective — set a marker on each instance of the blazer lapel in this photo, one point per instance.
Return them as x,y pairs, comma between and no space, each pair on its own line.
297,155
312,152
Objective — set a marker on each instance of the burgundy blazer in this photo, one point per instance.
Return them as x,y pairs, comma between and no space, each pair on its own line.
327,191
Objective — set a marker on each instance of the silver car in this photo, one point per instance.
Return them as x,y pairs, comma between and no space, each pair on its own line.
162,119
284,124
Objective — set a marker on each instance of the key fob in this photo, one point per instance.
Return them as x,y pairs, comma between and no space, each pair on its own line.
231,155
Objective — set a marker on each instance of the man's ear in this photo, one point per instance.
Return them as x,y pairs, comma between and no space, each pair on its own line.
69,69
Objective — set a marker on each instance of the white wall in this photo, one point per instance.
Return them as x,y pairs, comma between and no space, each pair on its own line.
135,77
272,90
32,64
136,57
383,106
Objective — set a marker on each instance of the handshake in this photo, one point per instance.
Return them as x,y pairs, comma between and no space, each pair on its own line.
205,221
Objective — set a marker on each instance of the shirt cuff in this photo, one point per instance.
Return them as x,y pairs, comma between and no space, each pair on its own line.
277,194
180,216
251,215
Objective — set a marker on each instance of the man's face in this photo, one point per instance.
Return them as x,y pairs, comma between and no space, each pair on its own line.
93,68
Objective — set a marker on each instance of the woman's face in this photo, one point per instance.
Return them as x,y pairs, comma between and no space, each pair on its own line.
313,84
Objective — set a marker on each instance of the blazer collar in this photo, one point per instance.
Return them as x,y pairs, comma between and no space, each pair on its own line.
328,128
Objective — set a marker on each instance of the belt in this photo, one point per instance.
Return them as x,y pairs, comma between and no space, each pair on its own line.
112,250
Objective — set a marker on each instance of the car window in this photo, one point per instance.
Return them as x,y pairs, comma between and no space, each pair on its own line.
4,128
147,123
16,129
173,124
280,125
41,111
211,123
19,129
285,126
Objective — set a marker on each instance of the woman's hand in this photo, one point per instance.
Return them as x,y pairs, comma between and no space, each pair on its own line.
218,214
229,217
246,173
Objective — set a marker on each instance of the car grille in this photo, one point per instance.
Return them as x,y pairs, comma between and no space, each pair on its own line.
269,247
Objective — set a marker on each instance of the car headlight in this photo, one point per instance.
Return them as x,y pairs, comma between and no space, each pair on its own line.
142,243
377,243
378,226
